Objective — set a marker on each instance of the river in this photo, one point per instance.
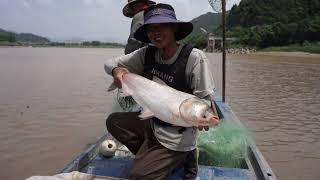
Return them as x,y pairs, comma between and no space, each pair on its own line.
53,103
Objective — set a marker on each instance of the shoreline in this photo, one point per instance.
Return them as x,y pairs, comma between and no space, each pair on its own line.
295,54
273,55
66,47
288,54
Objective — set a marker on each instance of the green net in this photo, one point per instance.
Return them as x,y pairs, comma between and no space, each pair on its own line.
116,106
123,104
224,145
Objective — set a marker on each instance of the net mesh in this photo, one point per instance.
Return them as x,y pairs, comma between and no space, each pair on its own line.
224,145
216,5
124,104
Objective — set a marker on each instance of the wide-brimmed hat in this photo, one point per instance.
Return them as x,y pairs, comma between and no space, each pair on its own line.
162,13
126,9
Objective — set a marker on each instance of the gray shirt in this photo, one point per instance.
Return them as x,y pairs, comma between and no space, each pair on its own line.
132,43
198,78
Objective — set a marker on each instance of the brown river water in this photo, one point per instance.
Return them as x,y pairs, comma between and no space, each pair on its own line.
53,103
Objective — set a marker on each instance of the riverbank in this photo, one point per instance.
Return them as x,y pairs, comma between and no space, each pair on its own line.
306,47
289,57
271,55
289,54
93,44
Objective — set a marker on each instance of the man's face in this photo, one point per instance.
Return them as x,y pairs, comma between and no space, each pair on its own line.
161,35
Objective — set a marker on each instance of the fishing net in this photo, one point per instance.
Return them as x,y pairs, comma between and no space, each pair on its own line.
124,104
116,106
224,145
216,5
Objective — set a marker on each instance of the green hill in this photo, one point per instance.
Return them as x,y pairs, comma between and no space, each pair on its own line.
2,31
264,23
209,21
28,37
8,36
261,12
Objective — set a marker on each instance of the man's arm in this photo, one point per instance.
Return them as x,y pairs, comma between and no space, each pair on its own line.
117,67
134,62
132,43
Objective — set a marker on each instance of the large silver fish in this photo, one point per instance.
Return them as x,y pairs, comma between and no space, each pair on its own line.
166,103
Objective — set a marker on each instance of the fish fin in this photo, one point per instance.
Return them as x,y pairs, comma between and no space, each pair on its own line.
146,114
158,80
112,87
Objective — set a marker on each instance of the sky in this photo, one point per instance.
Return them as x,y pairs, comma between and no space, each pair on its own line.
84,19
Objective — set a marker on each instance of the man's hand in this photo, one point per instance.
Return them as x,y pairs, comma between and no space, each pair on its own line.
215,120
118,73
206,128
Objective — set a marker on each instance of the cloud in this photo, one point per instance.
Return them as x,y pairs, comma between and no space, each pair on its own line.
87,2
33,3
25,3
45,2
102,3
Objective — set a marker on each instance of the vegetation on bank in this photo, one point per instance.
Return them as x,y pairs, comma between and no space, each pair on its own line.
27,39
273,23
7,36
306,47
88,44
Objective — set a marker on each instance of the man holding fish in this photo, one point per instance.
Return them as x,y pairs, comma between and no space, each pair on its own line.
175,104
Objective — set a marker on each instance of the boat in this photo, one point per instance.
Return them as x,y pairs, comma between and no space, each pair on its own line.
253,167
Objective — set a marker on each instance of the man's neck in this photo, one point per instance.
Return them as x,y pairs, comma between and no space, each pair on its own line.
169,51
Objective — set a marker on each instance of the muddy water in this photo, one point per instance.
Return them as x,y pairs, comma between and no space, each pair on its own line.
53,102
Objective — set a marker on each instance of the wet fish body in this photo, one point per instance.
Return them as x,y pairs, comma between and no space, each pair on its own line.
166,103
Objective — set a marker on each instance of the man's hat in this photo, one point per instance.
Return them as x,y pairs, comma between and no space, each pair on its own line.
126,10
162,13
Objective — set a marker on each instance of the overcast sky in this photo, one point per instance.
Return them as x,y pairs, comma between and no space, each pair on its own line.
88,19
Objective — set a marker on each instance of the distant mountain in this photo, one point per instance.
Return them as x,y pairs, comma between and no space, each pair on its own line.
3,31
21,37
28,37
7,36
263,23
208,21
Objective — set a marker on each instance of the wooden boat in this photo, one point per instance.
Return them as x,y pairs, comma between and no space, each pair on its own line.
116,167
